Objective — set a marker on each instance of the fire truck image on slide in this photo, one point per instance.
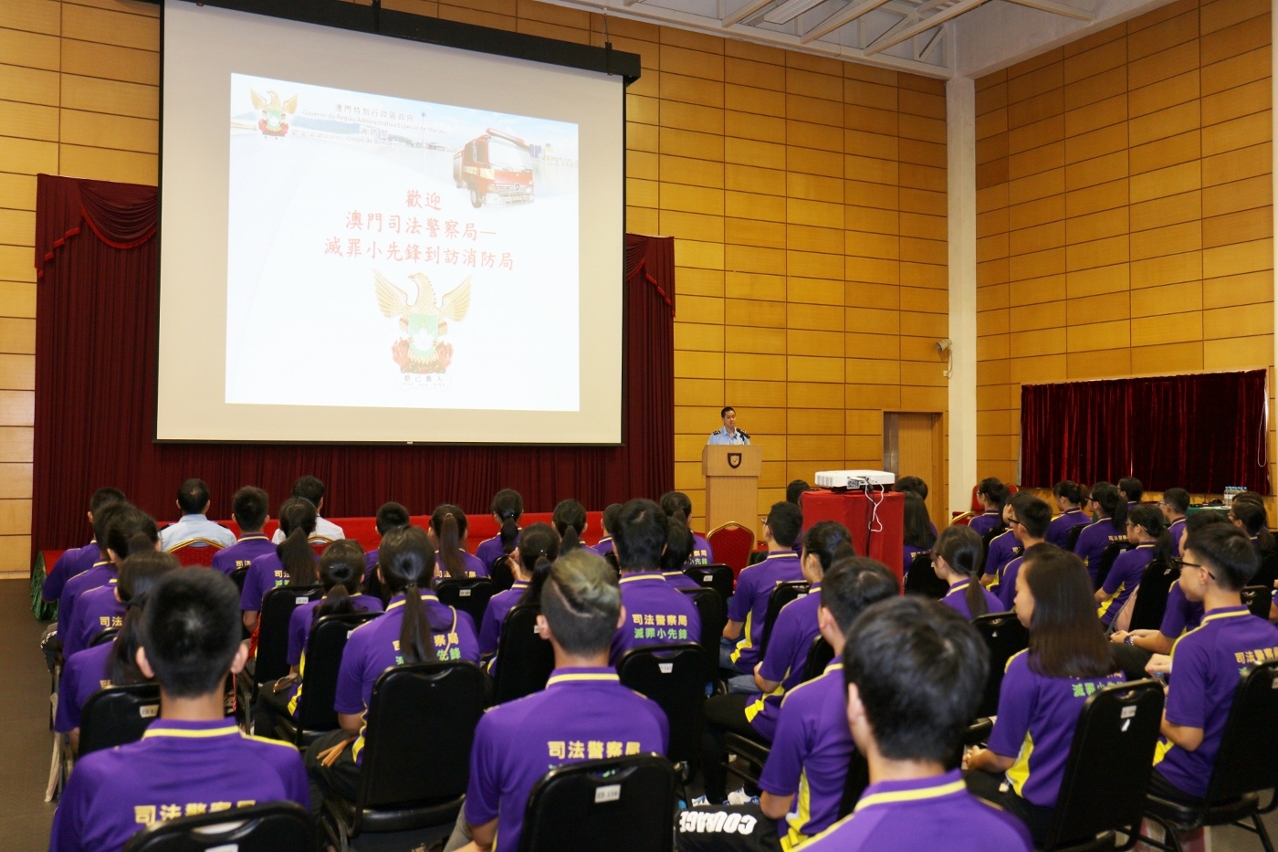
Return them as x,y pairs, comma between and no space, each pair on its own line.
495,165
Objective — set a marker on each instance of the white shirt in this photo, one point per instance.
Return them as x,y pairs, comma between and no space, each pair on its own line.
323,529
195,526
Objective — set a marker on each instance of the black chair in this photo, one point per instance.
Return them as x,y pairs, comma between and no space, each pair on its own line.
1151,597
820,655
1074,533
524,659
1107,771
324,646
922,580
116,715
997,531
1258,599
375,587
1107,559
858,779
237,577
501,574
714,616
1267,573
470,595
1246,765
403,787
622,805
1005,637
717,577
270,827
782,594
674,677
103,636
271,662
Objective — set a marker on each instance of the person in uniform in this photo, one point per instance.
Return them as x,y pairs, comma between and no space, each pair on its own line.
193,500
729,434
249,508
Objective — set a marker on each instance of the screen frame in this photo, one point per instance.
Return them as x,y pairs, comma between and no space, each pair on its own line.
374,20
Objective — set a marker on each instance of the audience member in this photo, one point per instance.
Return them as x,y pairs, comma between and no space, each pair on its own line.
192,759
193,500
1174,505
1132,490
97,574
991,494
582,714
607,521
678,553
569,518
77,560
293,561
1111,525
914,672
1250,517
920,535
448,526
1029,521
507,508
310,488
1003,548
390,516
956,559
1145,530
249,509
914,485
1069,497
795,490
538,542
1043,690
702,553
130,531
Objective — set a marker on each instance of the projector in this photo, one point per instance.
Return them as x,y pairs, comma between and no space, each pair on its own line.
854,478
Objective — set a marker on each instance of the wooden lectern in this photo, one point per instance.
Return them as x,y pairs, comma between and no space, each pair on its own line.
732,484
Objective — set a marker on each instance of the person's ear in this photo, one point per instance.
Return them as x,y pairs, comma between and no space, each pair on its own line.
621,618
144,665
381,578
207,504
319,507
89,515
240,658
114,557
159,546
543,627
178,503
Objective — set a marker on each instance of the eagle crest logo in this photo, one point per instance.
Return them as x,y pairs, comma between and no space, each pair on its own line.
423,322
272,112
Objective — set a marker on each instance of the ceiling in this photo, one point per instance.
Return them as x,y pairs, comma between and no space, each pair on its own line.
939,38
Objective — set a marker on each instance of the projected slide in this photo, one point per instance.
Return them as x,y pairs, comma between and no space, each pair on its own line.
386,252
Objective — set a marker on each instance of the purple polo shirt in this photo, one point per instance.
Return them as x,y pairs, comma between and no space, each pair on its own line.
680,580
495,617
604,546
489,551
907,557
303,619
1176,529
1093,540
265,573
750,601
582,714
1007,584
1207,665
97,610
656,614
474,567
1181,613
373,647
1123,578
1058,530
242,553
792,635
927,813
370,562
70,564
83,675
702,553
1035,724
94,578
1003,549
985,522
176,769
810,755
956,599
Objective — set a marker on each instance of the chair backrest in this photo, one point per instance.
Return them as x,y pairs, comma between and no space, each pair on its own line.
858,779
238,576
259,828
622,805
1257,599
994,533
319,544
1005,637
324,648
1107,560
674,677
116,715
469,595
1151,601
963,519
714,616
1267,574
272,634
1074,533
1248,758
524,659
820,655
442,701
501,574
731,544
1110,758
106,634
718,577
782,594
923,581
195,552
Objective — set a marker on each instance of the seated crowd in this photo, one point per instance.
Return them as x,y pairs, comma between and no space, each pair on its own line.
905,677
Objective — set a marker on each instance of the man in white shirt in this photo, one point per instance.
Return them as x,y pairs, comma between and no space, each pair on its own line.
729,434
310,488
193,500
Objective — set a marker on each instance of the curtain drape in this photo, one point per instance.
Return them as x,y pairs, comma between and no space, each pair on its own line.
1200,432
96,341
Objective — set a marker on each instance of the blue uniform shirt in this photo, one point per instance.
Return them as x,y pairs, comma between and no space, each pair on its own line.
721,436
242,553
750,602
656,614
195,526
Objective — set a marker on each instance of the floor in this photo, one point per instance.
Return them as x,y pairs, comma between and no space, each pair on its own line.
26,742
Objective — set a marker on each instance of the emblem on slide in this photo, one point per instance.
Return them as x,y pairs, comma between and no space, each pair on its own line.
422,323
273,114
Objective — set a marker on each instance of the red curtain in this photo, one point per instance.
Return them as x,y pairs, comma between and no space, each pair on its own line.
96,330
1199,432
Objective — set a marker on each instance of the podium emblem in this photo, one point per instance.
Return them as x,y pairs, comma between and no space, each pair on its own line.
734,460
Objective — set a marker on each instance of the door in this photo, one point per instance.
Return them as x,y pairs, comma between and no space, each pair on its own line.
912,447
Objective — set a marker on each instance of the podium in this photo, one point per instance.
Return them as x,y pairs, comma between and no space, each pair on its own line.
732,484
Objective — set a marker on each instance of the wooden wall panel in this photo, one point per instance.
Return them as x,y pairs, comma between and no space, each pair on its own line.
1153,197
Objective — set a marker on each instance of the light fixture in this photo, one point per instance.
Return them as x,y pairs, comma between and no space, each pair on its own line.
946,346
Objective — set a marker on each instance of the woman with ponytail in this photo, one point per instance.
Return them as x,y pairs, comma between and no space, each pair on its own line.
507,507
112,663
448,527
416,628
1146,528
130,531
292,563
569,519
538,548
1069,498
678,553
1110,507
957,558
